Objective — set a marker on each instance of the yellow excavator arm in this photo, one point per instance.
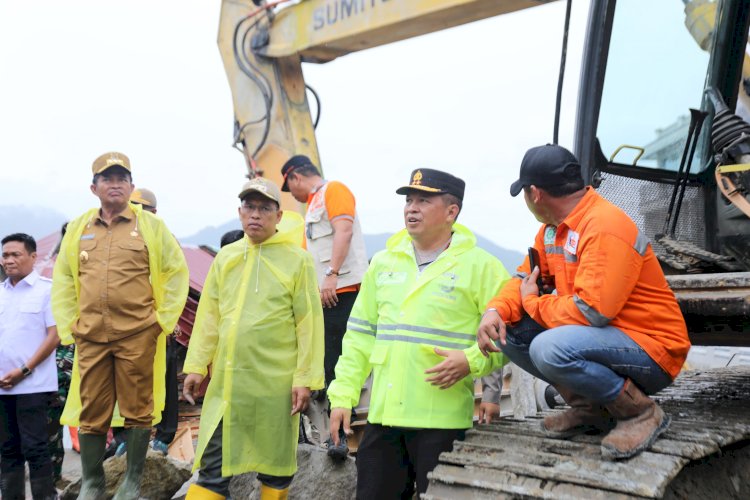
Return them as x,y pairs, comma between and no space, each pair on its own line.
263,46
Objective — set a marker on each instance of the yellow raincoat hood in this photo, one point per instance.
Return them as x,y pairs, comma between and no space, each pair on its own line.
260,324
169,281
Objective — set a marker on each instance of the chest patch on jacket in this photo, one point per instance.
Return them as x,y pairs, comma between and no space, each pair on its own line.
571,242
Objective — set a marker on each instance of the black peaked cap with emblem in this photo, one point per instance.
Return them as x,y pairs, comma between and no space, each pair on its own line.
434,181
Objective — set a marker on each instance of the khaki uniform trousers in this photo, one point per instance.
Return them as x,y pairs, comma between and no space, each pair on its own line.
119,371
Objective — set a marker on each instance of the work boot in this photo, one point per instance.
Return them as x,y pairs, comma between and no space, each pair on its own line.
198,492
137,446
639,422
93,484
268,493
43,488
583,415
13,485
340,451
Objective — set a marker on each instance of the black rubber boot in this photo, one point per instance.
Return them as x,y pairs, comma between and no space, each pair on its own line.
93,484
137,446
43,488
12,485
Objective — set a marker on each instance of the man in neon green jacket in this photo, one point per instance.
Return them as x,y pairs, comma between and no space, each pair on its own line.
413,326
119,286
260,324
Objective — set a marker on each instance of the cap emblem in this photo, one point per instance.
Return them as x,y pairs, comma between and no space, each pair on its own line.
416,180
259,186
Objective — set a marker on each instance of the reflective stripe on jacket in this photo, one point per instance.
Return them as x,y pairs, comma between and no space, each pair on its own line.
169,282
606,273
398,320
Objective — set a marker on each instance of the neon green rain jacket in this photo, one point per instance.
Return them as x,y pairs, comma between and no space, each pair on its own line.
260,324
399,318
169,281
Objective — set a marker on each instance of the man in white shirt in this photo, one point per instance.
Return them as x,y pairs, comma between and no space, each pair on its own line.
28,375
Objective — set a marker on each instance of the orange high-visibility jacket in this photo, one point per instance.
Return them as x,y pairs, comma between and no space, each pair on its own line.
606,273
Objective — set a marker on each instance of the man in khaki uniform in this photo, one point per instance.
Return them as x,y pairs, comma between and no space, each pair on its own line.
120,281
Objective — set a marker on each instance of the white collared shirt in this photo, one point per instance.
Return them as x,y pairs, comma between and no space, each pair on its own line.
25,315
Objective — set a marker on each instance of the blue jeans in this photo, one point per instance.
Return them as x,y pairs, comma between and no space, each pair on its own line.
591,361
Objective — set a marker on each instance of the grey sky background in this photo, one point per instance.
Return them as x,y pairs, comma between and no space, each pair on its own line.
145,78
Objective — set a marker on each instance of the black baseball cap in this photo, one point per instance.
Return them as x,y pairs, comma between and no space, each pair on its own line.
548,165
291,165
434,181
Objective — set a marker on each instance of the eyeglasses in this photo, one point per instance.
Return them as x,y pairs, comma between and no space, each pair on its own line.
263,209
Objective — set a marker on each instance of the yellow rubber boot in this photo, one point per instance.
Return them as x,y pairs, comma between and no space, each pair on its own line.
196,492
268,493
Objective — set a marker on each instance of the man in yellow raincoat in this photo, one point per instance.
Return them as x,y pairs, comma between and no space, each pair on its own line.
119,284
260,325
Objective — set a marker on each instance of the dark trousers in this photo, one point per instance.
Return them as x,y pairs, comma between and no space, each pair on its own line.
391,459
335,319
23,434
209,474
167,428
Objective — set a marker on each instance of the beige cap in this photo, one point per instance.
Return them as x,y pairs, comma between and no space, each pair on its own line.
264,187
107,160
144,197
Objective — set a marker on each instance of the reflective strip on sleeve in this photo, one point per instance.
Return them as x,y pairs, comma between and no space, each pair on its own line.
362,326
641,244
360,330
594,317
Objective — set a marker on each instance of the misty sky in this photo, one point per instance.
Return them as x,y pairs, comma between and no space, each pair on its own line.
145,78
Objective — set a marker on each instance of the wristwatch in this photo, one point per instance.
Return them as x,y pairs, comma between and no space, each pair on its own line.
330,271
25,370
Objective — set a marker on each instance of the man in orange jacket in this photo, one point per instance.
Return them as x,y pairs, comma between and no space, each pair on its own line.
612,333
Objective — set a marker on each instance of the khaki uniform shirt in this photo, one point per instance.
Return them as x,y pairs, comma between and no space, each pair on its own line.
116,296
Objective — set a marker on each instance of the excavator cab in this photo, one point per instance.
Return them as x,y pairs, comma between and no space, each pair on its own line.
662,129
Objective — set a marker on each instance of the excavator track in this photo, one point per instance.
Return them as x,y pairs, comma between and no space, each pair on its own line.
710,410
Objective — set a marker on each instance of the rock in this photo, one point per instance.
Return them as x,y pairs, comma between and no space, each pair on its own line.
162,476
317,477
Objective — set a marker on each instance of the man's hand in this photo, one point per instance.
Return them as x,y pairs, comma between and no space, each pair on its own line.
491,328
487,412
300,399
446,373
11,378
190,387
328,291
528,284
338,417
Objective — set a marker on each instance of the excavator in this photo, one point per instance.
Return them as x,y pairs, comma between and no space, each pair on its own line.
661,130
